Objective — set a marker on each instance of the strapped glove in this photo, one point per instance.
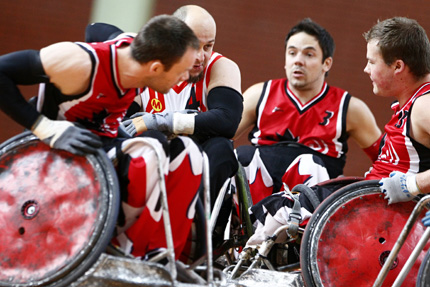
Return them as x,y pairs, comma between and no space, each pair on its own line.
167,122
399,187
66,136
426,219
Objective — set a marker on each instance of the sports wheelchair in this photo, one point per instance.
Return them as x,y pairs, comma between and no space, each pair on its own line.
354,238
59,212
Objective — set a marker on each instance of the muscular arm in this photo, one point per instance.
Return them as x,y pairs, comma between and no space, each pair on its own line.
250,101
420,121
361,124
420,131
66,70
225,104
68,67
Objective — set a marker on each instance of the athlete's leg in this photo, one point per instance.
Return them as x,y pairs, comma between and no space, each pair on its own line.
137,170
259,180
306,169
274,211
222,166
143,226
222,163
183,183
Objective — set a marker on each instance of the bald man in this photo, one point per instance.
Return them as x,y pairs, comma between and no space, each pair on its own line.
213,90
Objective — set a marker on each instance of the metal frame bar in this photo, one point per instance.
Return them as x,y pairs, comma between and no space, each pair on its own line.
399,243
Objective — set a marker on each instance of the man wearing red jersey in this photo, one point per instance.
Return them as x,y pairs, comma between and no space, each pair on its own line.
85,92
399,65
213,91
300,123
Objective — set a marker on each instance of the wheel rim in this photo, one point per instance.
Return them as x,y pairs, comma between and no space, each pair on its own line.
54,211
350,239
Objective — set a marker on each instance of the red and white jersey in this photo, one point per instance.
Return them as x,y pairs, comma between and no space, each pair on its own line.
183,96
102,107
319,124
398,151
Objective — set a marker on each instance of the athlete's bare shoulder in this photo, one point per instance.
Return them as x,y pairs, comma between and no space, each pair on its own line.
68,67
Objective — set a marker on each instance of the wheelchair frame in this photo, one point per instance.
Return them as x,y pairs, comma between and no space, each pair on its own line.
122,271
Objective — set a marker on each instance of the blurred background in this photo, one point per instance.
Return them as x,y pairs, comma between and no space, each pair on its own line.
251,33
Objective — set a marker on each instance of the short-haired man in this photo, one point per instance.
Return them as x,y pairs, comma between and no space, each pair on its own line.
300,123
85,92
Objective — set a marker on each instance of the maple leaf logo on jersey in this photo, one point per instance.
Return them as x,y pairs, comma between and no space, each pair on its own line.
287,136
97,121
326,119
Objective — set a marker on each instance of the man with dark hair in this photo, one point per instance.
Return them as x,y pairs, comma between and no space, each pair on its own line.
300,123
85,92
398,64
213,91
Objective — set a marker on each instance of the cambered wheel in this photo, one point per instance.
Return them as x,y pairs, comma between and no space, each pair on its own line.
58,212
350,235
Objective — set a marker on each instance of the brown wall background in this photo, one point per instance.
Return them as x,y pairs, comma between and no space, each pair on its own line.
250,32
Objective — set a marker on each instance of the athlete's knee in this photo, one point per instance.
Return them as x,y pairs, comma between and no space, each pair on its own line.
245,154
185,148
220,153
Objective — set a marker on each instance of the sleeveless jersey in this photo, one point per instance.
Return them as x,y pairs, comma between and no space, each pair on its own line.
319,124
100,108
183,96
398,151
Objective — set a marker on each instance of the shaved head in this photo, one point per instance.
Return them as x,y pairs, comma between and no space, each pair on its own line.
195,16
203,25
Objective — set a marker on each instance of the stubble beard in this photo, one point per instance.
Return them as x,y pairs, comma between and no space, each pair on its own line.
195,79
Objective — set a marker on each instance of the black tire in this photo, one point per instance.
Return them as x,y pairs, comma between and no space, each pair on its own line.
100,219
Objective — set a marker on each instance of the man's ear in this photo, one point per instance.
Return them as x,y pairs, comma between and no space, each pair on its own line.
156,66
399,66
328,62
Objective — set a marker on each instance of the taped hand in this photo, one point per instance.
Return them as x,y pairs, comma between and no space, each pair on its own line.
66,136
395,187
163,122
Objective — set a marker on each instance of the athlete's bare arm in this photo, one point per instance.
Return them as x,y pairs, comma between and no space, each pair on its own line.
249,115
420,121
361,124
420,131
225,73
68,67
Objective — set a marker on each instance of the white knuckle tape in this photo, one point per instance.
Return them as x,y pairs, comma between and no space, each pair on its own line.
183,123
412,186
47,128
